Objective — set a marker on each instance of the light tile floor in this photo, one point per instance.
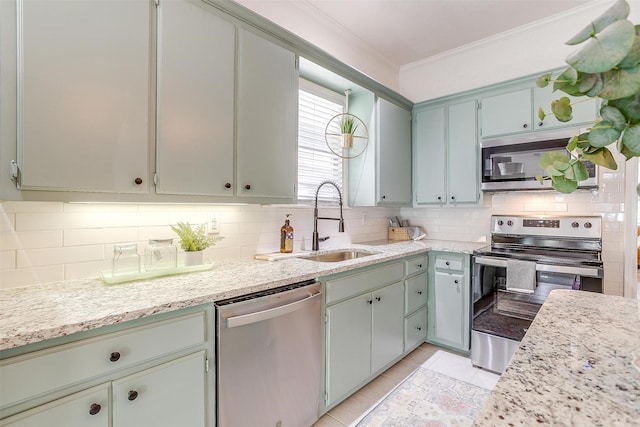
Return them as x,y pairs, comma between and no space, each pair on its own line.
352,409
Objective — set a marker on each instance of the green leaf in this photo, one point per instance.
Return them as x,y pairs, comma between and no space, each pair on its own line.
580,171
619,83
561,108
633,57
573,143
620,10
566,82
631,139
563,185
602,157
629,106
561,165
548,158
606,50
541,113
540,179
543,80
553,171
587,81
615,116
597,86
603,134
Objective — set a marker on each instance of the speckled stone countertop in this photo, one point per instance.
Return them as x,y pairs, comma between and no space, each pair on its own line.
35,313
578,365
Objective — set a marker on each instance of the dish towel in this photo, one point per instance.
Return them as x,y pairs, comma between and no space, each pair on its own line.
521,276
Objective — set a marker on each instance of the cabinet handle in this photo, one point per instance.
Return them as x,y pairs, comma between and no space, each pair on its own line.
419,292
525,125
378,299
369,301
419,328
133,395
115,356
419,265
138,180
94,409
247,187
227,185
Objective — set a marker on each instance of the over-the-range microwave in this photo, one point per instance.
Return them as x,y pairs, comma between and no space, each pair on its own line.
512,163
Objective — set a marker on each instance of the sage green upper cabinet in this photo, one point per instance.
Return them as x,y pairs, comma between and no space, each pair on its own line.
267,101
446,155
394,160
83,95
507,113
195,113
584,110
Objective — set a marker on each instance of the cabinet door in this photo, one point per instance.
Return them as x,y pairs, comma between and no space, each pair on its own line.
196,56
462,173
88,408
83,95
348,346
266,119
447,317
394,148
507,113
584,109
172,394
430,154
387,329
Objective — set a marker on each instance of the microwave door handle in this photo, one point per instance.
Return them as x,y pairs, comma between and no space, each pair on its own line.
492,262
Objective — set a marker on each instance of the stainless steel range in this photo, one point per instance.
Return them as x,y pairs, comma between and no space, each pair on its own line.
528,258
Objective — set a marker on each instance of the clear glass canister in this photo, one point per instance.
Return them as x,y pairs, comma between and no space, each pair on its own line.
126,259
160,254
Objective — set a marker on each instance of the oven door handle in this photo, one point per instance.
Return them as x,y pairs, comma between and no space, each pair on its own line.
578,271
492,262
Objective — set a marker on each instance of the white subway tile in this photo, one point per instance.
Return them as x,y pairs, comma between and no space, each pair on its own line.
92,208
97,236
39,257
7,221
21,207
30,276
84,270
30,239
7,260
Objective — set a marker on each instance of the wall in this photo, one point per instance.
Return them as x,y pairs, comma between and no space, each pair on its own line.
43,242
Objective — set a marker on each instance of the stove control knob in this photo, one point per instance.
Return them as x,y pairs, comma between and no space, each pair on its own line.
587,225
509,223
575,224
500,222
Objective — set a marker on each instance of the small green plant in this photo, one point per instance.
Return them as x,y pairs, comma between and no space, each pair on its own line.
348,125
194,240
606,67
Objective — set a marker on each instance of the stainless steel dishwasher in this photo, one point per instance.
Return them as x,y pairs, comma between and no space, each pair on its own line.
268,364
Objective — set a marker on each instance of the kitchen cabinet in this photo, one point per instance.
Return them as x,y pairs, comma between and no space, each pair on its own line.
364,327
195,100
267,101
382,174
449,298
151,371
83,99
516,111
446,155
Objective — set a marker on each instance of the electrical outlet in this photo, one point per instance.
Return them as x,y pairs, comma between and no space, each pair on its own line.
364,218
213,224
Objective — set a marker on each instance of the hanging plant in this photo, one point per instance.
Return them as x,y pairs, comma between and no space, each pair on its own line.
607,67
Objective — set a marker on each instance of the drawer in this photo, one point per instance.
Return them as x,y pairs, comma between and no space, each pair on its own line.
452,262
415,265
415,292
366,281
415,329
34,374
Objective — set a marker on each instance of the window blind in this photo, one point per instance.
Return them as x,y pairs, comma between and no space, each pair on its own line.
316,163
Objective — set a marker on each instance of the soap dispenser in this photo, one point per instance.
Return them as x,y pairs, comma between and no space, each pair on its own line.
286,237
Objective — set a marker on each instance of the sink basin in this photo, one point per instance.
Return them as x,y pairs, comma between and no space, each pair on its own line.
337,256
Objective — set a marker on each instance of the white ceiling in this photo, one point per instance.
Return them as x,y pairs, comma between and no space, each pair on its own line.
406,31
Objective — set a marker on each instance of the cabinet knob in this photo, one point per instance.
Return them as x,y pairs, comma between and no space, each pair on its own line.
419,292
525,125
114,357
378,299
440,198
383,197
455,281
540,124
453,197
446,263
133,395
247,187
369,301
419,328
227,185
419,265
94,409
138,181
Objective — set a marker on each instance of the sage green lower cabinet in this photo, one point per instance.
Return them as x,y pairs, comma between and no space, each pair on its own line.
449,300
147,372
364,328
415,322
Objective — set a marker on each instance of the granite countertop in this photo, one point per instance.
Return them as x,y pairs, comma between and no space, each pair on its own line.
32,314
578,365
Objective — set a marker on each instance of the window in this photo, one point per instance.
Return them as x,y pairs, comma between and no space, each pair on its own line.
316,163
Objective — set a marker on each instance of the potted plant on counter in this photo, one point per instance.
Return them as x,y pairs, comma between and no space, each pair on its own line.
193,241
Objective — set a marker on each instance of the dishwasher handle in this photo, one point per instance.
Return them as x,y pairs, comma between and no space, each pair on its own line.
258,316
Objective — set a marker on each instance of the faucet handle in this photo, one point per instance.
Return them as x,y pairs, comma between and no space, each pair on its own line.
323,239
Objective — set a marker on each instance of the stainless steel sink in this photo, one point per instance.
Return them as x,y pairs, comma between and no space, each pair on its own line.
337,256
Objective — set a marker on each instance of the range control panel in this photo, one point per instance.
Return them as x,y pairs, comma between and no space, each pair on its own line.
566,226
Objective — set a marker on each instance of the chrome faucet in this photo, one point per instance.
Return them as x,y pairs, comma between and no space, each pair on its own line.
315,245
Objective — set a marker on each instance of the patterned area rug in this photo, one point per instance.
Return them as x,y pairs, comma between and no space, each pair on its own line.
428,399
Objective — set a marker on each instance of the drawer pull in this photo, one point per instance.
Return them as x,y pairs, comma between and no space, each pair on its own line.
133,395
419,328
138,181
227,185
446,263
369,301
419,265
94,409
378,299
115,356
419,292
